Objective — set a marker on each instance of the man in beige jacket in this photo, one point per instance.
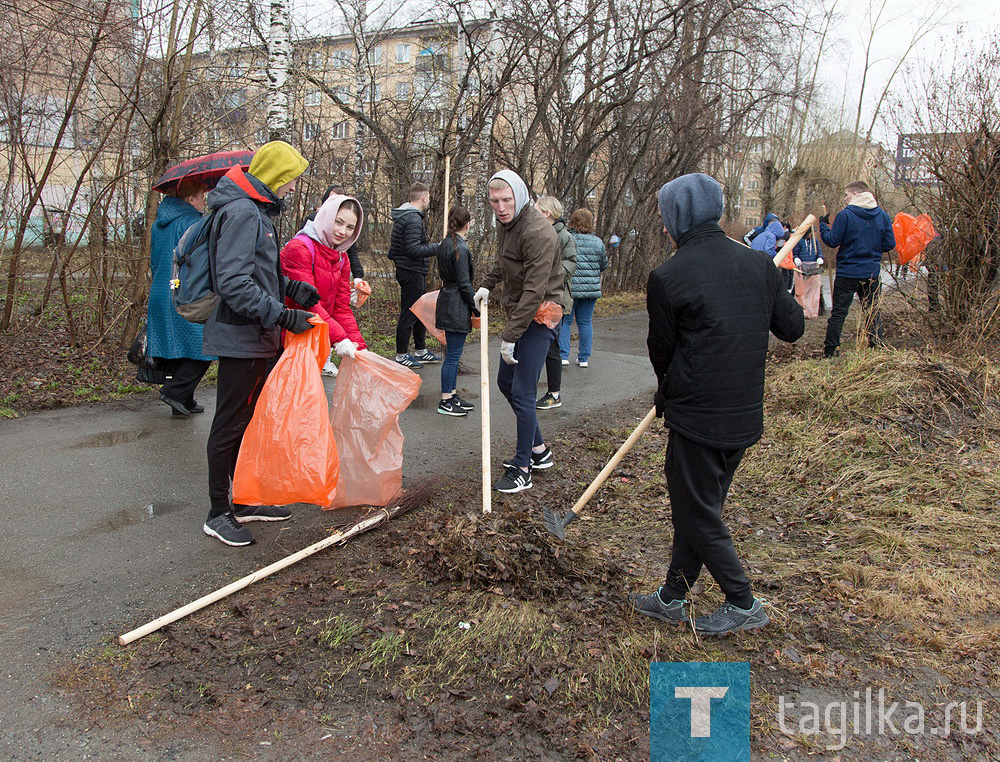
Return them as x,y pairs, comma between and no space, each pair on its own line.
529,266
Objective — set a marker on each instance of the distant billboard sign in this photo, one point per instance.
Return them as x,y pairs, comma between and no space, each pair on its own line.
912,166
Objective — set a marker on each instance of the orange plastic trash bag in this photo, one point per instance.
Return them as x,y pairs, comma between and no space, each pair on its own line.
912,236
370,394
289,454
425,308
363,290
549,314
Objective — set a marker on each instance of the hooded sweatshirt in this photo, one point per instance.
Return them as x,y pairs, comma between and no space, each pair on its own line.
767,241
527,261
408,246
690,201
861,233
327,268
247,274
711,307
754,232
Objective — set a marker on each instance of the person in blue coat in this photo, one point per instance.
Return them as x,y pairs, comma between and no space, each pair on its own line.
171,338
767,240
591,261
861,233
754,232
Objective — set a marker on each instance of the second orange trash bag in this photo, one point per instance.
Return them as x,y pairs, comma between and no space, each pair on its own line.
288,453
425,308
370,394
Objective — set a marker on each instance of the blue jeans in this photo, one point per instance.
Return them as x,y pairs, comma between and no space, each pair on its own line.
455,343
518,383
583,311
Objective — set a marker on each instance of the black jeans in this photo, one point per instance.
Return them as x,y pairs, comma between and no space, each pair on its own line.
553,366
698,479
183,377
412,286
240,383
519,384
868,290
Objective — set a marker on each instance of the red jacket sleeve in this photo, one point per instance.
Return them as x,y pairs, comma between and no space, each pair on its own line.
297,264
340,310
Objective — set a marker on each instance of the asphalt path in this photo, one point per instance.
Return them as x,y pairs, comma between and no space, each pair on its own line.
103,507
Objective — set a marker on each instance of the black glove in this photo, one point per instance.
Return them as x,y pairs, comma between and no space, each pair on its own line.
660,402
302,293
825,219
296,321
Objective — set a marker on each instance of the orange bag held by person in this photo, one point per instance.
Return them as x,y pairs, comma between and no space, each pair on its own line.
549,314
363,290
289,454
425,309
912,236
370,394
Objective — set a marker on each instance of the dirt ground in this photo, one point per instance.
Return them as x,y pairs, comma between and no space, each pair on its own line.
867,517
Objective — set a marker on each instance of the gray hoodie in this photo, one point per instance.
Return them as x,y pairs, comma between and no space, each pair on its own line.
690,201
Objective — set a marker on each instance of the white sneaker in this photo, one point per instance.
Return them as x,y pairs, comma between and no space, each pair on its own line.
583,363
565,362
330,369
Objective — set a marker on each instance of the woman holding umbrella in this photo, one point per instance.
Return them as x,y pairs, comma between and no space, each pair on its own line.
171,338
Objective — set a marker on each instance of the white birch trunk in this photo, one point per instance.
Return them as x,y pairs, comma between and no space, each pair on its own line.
279,122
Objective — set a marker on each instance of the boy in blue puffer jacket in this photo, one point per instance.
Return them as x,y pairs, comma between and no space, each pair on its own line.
861,233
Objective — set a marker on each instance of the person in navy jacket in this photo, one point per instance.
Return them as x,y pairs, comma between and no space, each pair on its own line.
861,233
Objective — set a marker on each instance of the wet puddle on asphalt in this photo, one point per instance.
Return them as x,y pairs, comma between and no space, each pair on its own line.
126,517
16,587
112,438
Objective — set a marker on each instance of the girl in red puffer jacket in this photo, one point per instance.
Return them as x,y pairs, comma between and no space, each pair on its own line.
318,255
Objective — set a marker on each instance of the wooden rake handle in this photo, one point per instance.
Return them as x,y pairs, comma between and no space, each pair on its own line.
613,463
793,239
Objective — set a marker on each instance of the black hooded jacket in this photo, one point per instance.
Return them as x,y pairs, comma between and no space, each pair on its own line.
711,307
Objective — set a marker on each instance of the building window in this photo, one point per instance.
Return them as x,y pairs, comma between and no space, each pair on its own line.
375,55
752,203
752,185
313,98
341,130
402,91
314,60
750,222
403,54
214,136
344,93
262,135
310,131
342,58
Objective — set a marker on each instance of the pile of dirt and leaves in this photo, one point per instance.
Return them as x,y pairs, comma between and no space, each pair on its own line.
867,517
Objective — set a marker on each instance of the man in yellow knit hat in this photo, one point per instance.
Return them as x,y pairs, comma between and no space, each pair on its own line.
245,329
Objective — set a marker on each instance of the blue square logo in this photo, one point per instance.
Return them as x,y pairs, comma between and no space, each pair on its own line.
699,711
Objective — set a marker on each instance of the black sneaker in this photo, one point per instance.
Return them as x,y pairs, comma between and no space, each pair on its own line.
448,407
730,618
261,513
540,460
179,407
467,406
514,480
548,402
196,408
423,356
409,361
227,529
652,605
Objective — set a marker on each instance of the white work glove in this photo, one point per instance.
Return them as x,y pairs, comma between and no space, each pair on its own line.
354,291
819,260
345,348
798,262
482,293
507,352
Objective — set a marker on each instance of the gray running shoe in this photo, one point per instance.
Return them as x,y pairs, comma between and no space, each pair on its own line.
652,605
730,618
261,513
227,529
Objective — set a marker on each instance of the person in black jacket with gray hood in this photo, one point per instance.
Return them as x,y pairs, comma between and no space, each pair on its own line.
711,307
409,250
